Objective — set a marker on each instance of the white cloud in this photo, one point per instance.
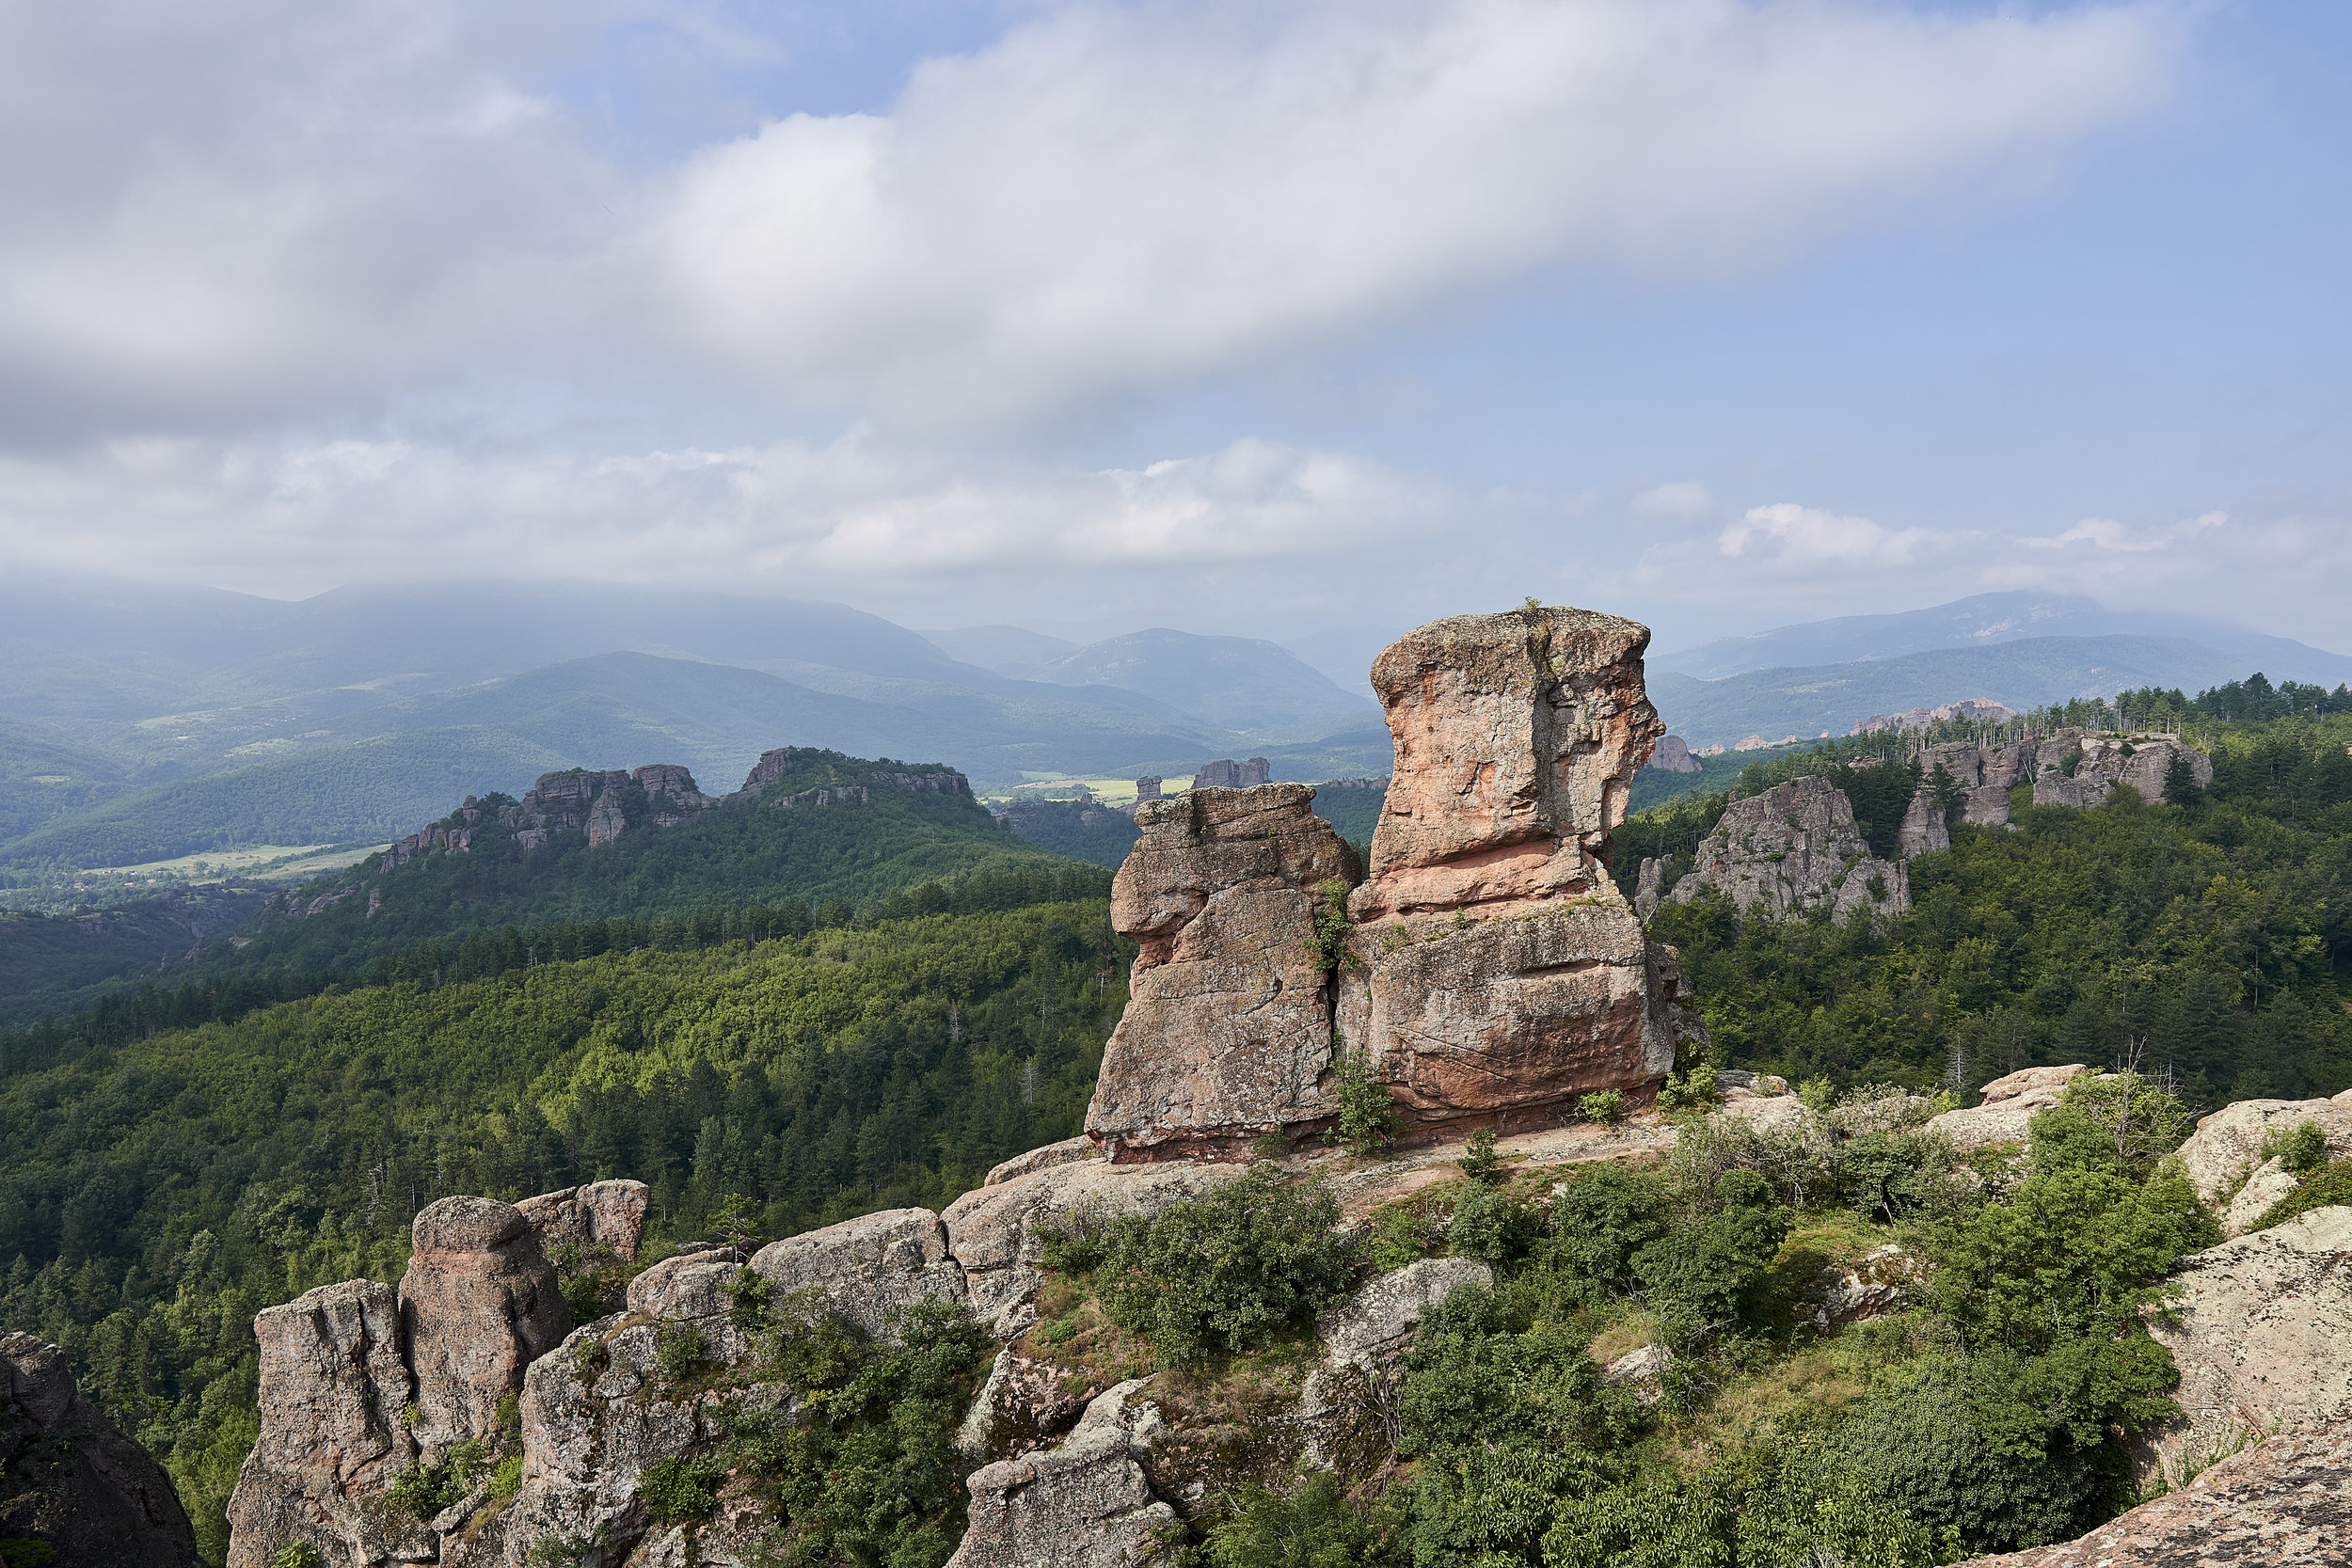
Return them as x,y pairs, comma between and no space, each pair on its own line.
1681,499
1805,538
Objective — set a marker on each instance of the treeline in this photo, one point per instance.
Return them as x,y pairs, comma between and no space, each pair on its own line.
478,954
154,1195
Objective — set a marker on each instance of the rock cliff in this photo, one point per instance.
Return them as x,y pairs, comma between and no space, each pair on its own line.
71,1483
1791,850
2078,770
1487,968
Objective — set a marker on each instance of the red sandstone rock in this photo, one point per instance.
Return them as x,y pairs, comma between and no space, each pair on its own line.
478,1304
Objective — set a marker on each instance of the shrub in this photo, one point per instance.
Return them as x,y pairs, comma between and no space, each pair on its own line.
1399,1236
747,1296
1230,1268
2122,1122
1314,1527
1367,1122
506,1480
1328,945
1697,1276
1693,1089
1606,1215
2330,1185
1480,1164
295,1554
1492,1226
424,1490
1894,1175
679,1350
1604,1106
680,1489
2302,1149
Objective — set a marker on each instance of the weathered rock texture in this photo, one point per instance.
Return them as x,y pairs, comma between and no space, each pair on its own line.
607,1214
2136,762
2263,1337
1672,756
1498,973
478,1304
1086,1504
1343,1406
1228,1029
2285,1504
1793,849
2224,1156
73,1484
869,1270
2010,1105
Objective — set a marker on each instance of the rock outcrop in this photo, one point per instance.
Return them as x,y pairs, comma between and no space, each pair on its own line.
2100,762
869,1270
2008,1109
71,1483
1228,1030
608,1214
2262,1333
1084,1504
1791,850
1364,1339
2284,1504
478,1304
1672,756
1498,973
2225,1157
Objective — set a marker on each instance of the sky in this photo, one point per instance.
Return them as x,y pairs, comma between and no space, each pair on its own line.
1269,318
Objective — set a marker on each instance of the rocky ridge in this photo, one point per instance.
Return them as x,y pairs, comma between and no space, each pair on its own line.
73,1483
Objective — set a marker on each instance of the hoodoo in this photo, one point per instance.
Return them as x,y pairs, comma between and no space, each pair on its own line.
1489,970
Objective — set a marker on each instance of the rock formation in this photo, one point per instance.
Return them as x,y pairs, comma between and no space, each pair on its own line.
1228,1032
478,1305
2009,1104
2262,1333
870,1269
1672,756
2100,762
609,1215
1498,973
1791,850
2225,1157
1978,710
70,1482
1084,1504
1225,773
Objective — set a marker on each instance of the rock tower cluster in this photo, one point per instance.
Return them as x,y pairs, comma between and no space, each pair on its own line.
1485,968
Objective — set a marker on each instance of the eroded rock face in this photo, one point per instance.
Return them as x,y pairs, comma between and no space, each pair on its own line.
602,1213
2011,1103
1227,1033
1068,1152
2104,764
69,1481
2284,1504
1084,1504
872,1269
333,1386
478,1304
2263,1337
1923,830
1793,849
2224,1156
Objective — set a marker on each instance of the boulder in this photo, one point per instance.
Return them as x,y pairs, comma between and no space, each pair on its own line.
2224,1156
2010,1105
602,1213
332,1387
1227,1033
1346,1403
2284,1504
1084,1504
70,1482
1876,1284
1790,850
1021,1406
1643,1370
992,1231
478,1305
688,1284
868,1269
2262,1333
1068,1152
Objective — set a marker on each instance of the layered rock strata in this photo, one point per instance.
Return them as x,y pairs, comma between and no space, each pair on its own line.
1228,1032
1791,850
1497,973
73,1483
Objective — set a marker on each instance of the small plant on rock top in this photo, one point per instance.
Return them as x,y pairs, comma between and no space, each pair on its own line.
1327,946
679,1350
295,1554
2302,1149
1693,1089
680,1490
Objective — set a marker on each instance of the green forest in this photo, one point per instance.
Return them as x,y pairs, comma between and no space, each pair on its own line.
869,1019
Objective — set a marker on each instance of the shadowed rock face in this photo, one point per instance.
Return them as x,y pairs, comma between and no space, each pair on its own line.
1792,850
1228,1028
478,1304
73,1484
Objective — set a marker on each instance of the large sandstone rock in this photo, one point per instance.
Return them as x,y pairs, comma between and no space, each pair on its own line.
1227,1033
1791,850
602,1213
1068,1152
870,1269
70,1482
2263,1337
2010,1105
1923,830
478,1304
993,1232
2284,1504
2224,1156
333,1386
1499,973
1086,1504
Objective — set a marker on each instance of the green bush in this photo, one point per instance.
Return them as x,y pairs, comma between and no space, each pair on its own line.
1230,1268
1604,1106
2325,1188
1367,1120
424,1490
680,1489
748,1294
1895,1176
679,1350
1697,1276
1492,1226
2120,1122
1607,1214
1479,1161
2302,1149
506,1480
295,1554
1399,1236
1314,1527
1693,1089
1327,946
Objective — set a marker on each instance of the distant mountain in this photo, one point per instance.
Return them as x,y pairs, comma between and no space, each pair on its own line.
1989,619
2027,673
1013,651
1240,685
51,964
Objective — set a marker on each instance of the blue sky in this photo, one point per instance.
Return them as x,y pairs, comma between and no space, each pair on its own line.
1258,319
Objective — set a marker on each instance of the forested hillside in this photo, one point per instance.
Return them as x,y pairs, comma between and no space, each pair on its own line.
155,1195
